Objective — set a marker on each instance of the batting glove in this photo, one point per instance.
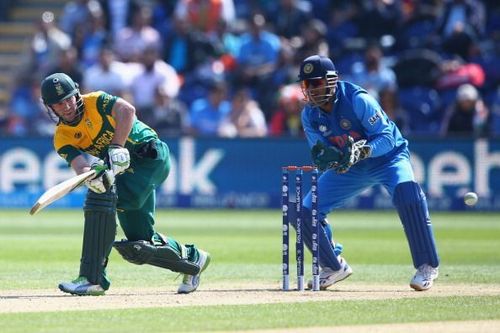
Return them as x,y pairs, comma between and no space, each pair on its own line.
119,159
354,152
103,179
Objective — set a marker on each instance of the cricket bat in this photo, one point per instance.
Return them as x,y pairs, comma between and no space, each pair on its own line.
56,192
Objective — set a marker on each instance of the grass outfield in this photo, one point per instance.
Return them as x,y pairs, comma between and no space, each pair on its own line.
38,252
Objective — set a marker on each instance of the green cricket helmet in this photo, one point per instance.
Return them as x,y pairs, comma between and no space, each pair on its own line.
57,87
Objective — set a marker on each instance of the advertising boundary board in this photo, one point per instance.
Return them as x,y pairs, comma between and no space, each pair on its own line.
245,173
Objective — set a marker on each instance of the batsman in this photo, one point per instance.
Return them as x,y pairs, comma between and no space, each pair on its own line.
357,146
100,131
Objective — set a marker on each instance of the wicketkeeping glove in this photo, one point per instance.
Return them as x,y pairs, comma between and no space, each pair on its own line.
353,153
325,157
103,179
119,159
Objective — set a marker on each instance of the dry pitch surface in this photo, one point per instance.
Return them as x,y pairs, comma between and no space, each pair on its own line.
119,298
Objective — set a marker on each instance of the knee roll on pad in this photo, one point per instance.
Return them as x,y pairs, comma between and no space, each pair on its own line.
98,235
327,255
164,256
411,204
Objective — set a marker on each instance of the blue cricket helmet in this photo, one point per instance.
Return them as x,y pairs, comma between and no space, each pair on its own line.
318,78
316,67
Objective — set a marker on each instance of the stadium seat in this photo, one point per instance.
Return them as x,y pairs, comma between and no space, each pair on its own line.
423,106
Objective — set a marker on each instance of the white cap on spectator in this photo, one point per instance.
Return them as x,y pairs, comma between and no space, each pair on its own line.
467,92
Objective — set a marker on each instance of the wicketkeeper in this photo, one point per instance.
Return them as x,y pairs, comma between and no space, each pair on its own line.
358,146
131,162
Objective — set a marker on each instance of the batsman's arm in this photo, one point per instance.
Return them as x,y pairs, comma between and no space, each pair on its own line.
124,114
80,165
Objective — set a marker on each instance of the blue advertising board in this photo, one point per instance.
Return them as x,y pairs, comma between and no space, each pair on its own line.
245,173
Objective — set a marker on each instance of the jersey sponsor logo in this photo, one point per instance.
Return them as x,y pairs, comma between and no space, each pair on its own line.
78,135
345,124
373,119
88,123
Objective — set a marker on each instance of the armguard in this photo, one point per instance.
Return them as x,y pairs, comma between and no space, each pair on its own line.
164,256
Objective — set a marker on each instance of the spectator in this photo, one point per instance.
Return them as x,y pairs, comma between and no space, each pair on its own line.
468,116
286,120
207,114
93,37
373,74
462,15
118,14
461,23
257,61
313,37
290,17
169,114
186,49
106,75
456,72
132,41
68,64
245,120
153,74
76,13
204,15
380,18
417,26
27,116
47,42
344,26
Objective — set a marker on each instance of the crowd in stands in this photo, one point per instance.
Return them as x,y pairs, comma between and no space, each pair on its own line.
229,68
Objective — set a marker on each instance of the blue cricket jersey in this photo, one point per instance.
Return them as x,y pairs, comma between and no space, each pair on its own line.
355,114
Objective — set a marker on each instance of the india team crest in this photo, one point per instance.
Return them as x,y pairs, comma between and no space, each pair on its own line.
345,124
308,68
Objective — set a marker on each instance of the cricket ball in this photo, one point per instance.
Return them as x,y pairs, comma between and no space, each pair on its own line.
470,198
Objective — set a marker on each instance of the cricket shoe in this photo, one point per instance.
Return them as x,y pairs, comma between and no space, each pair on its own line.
82,287
328,277
424,277
191,282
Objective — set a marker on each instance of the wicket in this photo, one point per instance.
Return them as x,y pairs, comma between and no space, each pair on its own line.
299,245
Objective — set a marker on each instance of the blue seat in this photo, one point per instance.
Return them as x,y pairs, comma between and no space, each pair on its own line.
344,63
492,99
423,107
420,29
